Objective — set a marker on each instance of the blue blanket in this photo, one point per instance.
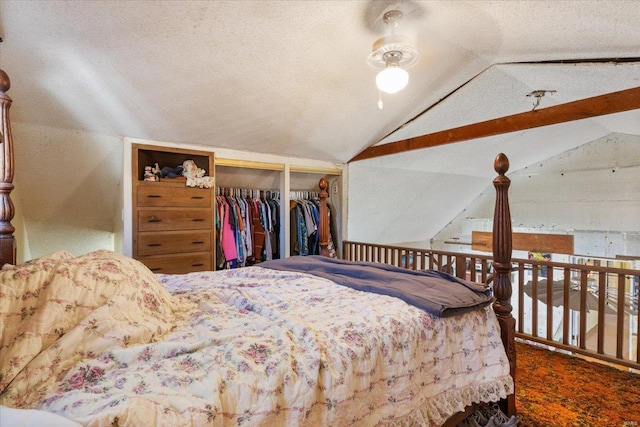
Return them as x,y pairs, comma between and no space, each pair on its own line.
435,292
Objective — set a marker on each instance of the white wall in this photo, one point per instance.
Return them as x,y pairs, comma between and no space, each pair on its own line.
23,252
72,195
591,192
69,186
74,192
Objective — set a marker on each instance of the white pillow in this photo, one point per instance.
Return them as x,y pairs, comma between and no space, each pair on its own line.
32,418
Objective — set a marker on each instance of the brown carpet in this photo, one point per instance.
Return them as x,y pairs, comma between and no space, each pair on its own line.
554,389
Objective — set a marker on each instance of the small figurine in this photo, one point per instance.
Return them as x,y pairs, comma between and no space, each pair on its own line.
149,175
156,172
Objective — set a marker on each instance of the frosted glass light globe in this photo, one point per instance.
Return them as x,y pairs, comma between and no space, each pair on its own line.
392,79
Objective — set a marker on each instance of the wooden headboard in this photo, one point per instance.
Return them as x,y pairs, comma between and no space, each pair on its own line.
7,211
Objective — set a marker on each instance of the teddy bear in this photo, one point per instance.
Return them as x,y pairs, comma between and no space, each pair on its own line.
195,175
191,170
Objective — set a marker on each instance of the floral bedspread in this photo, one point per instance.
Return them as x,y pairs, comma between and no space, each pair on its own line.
102,341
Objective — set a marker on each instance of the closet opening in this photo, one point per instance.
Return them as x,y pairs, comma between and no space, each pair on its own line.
249,218
304,209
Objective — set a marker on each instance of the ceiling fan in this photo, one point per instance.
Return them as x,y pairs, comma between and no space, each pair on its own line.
393,53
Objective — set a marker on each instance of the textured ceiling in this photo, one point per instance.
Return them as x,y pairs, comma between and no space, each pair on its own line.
291,78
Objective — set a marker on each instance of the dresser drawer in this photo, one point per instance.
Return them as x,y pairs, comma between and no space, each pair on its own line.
173,242
155,194
170,219
178,264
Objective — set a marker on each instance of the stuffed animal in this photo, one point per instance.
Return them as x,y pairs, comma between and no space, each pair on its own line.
169,172
191,170
157,172
195,175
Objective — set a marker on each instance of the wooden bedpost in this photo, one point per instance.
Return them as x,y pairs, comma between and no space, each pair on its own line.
7,211
502,276
323,227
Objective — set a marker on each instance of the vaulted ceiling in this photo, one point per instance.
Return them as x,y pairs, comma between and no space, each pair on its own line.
291,77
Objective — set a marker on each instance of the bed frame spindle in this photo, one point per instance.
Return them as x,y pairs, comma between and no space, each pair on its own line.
7,211
502,265
323,226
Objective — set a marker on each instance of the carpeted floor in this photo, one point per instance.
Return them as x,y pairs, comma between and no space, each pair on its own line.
553,389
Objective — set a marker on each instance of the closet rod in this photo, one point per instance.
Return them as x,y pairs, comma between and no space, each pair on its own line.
249,164
310,169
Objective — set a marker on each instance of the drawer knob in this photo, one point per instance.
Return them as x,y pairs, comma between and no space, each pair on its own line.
197,219
197,197
156,269
154,244
154,196
154,219
197,242
197,264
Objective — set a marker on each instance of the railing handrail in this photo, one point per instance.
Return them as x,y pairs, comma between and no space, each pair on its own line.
407,248
573,266
594,268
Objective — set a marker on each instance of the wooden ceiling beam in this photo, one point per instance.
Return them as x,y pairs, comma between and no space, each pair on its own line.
609,103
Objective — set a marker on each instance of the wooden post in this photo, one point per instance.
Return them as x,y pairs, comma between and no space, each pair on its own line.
502,276
7,211
323,227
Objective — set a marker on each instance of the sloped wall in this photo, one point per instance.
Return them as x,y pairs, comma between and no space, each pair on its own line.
69,185
411,196
69,188
591,192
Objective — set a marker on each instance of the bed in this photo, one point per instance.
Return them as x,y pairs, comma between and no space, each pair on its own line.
98,339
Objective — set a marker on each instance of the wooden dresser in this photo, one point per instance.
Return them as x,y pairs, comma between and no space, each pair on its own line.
173,225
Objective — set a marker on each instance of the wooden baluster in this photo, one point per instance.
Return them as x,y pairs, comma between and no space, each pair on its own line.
7,210
502,265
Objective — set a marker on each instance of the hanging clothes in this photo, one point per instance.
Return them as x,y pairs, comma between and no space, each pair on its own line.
258,228
248,223
227,234
304,216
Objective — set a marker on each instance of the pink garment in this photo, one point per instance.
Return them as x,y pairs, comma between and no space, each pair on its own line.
228,242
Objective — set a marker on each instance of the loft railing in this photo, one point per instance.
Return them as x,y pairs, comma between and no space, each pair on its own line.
593,310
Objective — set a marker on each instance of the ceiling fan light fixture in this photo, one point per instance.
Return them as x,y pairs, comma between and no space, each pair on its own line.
392,78
393,54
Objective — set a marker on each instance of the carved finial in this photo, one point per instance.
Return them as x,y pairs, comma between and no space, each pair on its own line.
5,83
501,164
324,184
